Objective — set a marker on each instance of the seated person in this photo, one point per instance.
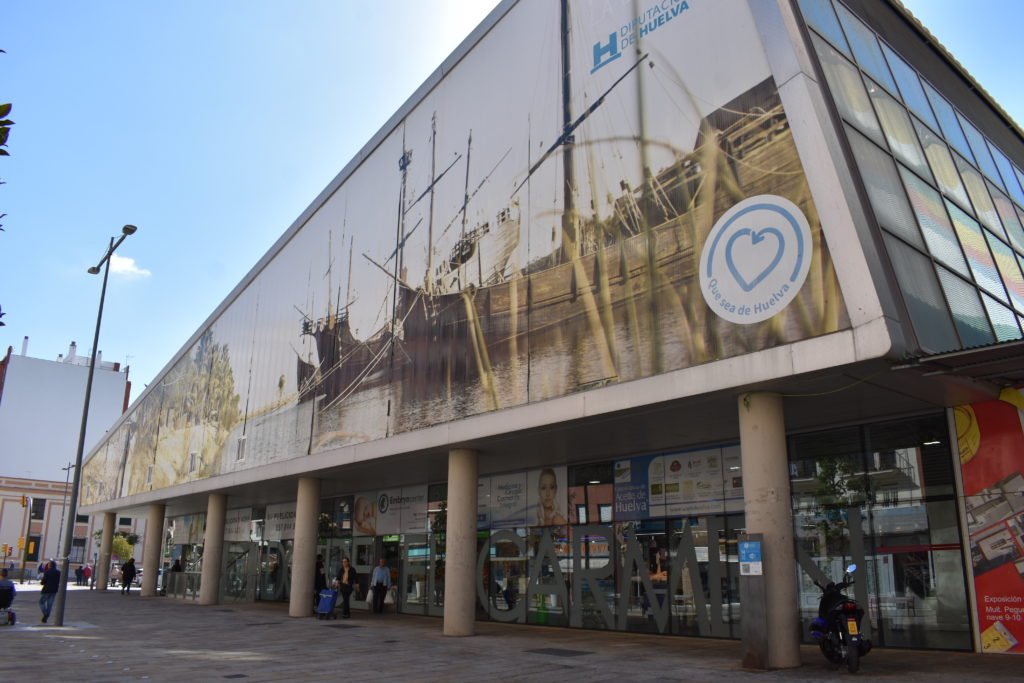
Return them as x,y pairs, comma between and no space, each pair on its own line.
6,586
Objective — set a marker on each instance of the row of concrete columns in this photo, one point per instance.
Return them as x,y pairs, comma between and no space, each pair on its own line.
766,498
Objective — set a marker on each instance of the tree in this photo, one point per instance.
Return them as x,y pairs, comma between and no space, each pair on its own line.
123,545
122,549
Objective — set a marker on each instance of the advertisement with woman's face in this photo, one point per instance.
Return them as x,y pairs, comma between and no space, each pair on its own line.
364,515
546,497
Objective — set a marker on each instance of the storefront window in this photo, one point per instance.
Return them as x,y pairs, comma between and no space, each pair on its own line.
882,496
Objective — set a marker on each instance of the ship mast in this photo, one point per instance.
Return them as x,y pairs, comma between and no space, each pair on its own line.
569,248
428,280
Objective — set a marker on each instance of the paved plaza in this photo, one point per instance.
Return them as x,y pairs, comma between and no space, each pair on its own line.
109,637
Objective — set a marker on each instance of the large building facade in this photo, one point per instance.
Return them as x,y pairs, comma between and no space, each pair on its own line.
691,270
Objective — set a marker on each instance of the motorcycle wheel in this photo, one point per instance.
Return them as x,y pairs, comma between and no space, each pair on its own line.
853,658
833,658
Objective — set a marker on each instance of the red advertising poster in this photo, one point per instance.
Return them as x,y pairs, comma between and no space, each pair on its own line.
991,442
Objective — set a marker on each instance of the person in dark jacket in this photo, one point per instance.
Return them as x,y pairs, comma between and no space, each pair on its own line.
319,579
128,573
50,581
348,583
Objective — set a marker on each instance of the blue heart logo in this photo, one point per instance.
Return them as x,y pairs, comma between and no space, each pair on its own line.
757,250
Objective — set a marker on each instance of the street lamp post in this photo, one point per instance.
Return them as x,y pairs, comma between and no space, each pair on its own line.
73,506
64,504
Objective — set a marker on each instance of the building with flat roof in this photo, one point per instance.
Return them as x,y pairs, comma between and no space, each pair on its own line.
41,404
621,286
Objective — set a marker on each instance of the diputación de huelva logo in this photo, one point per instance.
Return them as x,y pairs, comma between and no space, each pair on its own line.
649,19
755,259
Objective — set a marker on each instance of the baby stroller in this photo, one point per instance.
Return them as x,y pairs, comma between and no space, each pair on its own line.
7,615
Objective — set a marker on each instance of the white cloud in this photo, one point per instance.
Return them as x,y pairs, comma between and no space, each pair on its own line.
122,265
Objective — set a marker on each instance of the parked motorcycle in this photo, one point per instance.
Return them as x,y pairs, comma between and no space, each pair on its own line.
837,628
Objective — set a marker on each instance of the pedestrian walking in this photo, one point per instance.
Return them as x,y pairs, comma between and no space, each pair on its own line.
319,579
50,581
128,573
348,583
78,575
380,584
87,576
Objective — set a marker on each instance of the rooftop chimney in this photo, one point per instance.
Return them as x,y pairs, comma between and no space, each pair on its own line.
72,351
99,359
24,346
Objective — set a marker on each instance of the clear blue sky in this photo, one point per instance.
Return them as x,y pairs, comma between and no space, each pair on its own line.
213,125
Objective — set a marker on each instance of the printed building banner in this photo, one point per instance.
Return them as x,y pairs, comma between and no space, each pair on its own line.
279,522
678,484
401,511
237,524
508,501
991,440
668,224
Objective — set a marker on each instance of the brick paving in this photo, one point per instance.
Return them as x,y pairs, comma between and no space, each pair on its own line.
109,637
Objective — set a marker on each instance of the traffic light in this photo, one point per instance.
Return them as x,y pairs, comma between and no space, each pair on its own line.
31,547
21,542
6,549
24,501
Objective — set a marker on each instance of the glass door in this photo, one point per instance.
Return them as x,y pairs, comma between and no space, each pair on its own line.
416,574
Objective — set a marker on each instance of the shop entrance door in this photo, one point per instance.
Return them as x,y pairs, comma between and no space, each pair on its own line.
422,576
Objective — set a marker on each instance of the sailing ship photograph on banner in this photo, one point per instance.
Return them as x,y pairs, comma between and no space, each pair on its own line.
594,193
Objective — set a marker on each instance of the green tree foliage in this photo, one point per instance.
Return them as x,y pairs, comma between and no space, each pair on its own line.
840,488
123,543
5,127
122,548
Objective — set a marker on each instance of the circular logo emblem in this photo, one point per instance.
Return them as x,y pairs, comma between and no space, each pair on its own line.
382,503
755,259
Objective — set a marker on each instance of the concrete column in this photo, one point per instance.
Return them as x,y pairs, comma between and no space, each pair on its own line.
151,549
106,548
769,511
307,509
213,549
460,549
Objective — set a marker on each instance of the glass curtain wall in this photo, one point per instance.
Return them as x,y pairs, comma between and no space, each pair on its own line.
649,546
949,201
883,496
184,542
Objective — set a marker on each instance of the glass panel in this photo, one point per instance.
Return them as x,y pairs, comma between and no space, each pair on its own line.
847,88
1020,179
910,87
968,314
820,15
898,130
915,536
947,121
865,48
549,556
650,539
924,300
1009,217
942,165
976,250
1008,268
983,207
881,496
1017,239
885,191
931,215
977,142
1004,322
1006,171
